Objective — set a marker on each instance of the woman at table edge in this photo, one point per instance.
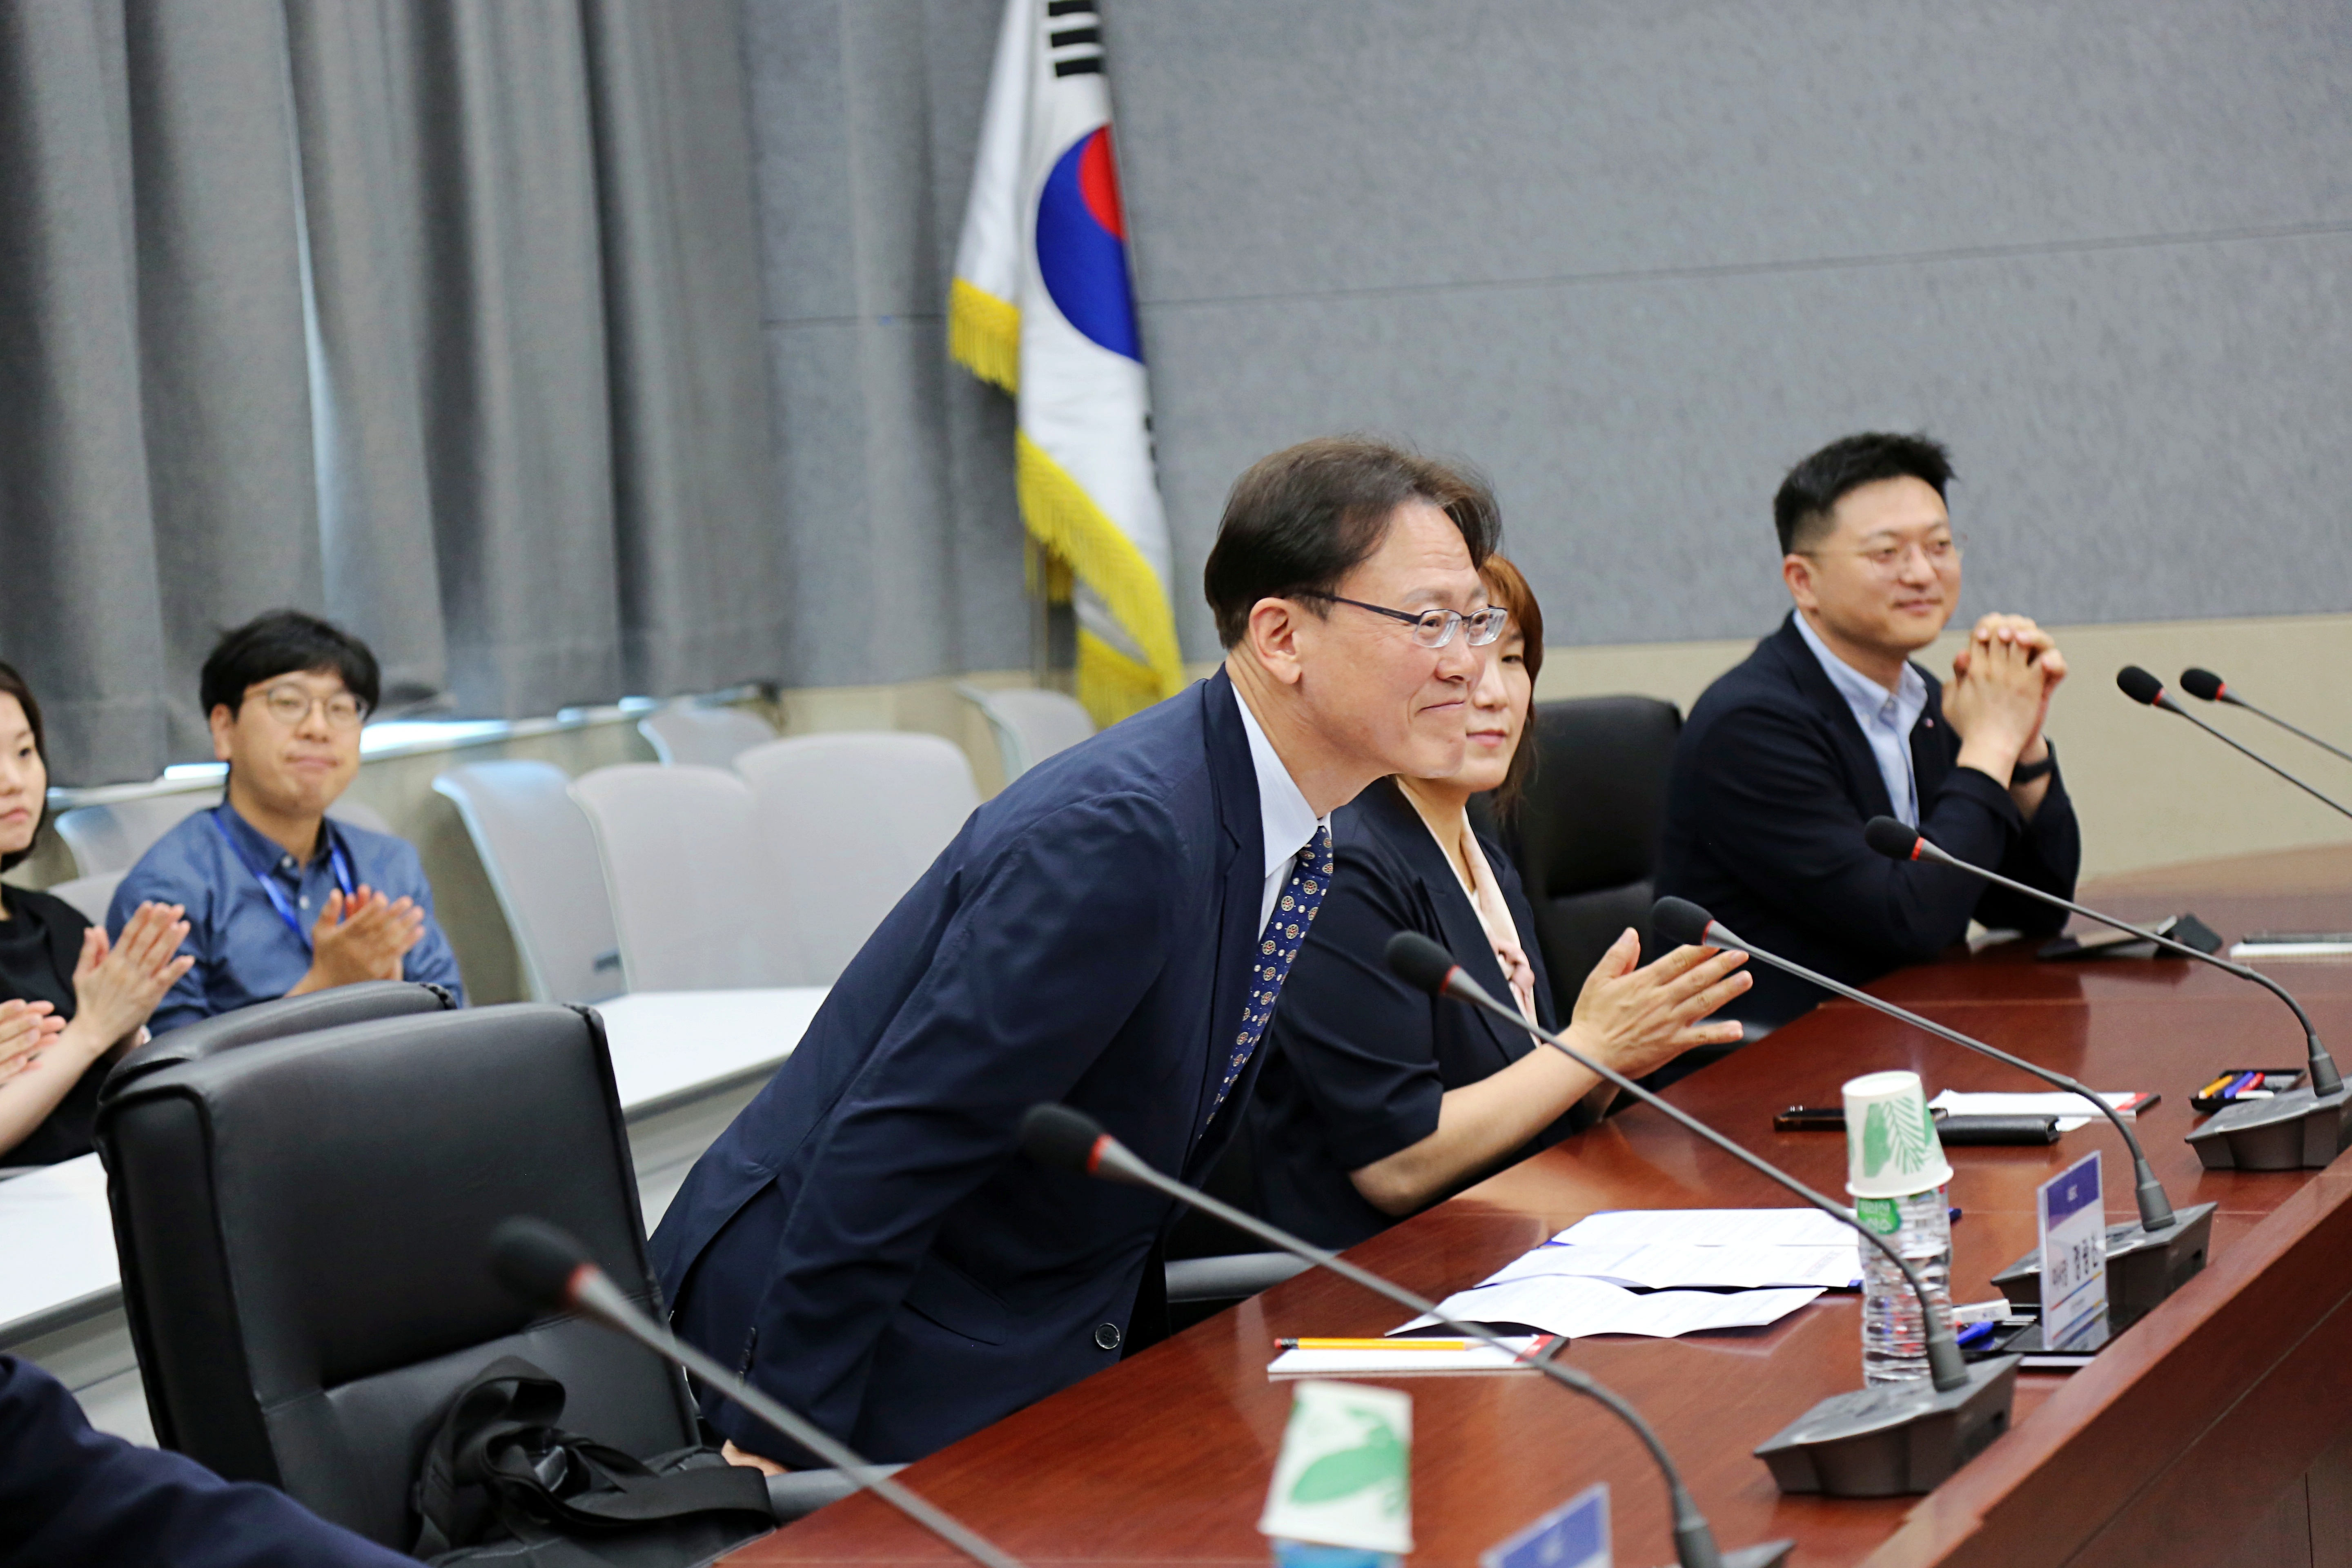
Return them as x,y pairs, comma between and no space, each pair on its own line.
1380,1100
70,1002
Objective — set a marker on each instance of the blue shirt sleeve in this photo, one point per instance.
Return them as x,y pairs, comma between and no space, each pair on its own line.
163,875
432,960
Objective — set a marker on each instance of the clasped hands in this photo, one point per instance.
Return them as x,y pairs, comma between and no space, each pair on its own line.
2000,694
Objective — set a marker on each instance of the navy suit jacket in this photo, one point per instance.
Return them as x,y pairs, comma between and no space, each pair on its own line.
71,1497
1773,782
1361,1060
865,1241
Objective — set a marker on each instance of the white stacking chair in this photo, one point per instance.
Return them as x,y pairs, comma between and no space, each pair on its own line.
111,837
1030,724
690,734
540,852
691,883
853,820
90,895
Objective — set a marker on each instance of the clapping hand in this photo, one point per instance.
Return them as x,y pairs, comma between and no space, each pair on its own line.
1637,1020
118,983
363,938
25,1028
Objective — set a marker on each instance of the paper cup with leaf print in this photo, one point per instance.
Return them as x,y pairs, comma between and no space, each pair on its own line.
1891,1147
1344,1476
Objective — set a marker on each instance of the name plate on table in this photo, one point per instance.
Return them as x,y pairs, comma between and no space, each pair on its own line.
2073,1214
1573,1535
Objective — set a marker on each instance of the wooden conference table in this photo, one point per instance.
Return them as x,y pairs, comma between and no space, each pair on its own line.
2216,1431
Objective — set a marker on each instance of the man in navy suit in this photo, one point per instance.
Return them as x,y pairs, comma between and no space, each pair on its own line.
1828,724
866,1243
71,1497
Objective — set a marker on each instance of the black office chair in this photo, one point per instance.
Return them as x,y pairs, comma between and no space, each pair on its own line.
277,1020
302,1225
1586,836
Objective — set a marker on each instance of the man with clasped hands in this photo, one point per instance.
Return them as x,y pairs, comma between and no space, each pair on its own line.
866,1243
1828,724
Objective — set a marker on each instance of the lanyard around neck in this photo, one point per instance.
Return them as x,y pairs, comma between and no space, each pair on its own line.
336,860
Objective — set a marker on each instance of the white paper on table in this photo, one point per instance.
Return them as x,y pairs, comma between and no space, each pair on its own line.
1668,1265
1709,1227
1566,1304
2067,1107
2254,951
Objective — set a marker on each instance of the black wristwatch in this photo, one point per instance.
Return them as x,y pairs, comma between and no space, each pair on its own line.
2026,773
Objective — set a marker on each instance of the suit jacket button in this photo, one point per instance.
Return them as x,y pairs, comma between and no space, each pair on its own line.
1107,1336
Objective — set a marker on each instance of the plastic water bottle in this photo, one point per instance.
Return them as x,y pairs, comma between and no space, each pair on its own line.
1894,1339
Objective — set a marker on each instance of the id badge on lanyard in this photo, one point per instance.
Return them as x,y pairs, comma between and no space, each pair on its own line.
336,860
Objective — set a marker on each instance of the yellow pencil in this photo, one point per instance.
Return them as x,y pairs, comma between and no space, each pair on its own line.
1372,1344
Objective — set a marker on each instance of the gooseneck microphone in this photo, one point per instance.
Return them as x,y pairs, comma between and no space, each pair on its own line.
1423,963
549,1269
2143,688
2150,1261
1061,1139
1862,1424
2252,1135
2207,687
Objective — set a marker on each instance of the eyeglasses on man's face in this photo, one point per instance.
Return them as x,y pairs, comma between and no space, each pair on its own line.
1435,628
1888,556
290,704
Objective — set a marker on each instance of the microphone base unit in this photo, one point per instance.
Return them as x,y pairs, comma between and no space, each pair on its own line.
2296,1131
2143,1266
1894,1439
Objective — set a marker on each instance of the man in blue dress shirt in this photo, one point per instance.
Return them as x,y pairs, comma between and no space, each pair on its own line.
280,901
1112,932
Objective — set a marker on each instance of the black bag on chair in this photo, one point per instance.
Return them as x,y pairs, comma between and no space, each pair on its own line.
502,1483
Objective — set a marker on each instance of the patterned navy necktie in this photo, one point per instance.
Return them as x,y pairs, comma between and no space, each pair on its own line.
1277,949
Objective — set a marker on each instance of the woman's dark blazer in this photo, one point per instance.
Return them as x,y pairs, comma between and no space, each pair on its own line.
1361,1060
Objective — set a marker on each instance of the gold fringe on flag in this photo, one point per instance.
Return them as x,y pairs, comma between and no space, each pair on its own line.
1112,686
1065,519
984,334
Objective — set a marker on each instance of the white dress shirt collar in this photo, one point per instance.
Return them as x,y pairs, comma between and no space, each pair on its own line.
1886,716
1289,824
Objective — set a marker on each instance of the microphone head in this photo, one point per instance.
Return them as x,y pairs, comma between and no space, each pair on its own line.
1891,838
1419,961
2203,685
537,1261
1678,923
1061,1138
2139,685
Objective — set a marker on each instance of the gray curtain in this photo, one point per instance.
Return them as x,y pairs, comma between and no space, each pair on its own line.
438,316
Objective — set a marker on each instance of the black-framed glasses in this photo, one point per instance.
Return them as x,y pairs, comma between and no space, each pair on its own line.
1435,628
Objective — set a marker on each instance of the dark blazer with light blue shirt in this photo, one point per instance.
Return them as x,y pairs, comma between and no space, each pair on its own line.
866,1242
1772,782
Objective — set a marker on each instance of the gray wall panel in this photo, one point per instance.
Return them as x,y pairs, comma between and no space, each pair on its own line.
1635,259
1636,430
1274,146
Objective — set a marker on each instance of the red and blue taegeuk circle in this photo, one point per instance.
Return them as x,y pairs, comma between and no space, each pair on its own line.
1082,244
